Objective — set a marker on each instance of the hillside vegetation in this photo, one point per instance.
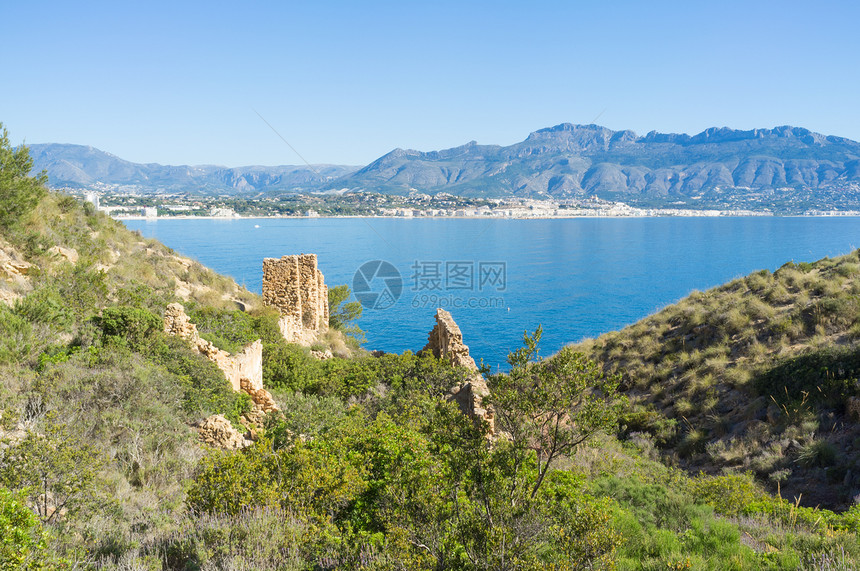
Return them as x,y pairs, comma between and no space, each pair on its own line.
369,465
757,375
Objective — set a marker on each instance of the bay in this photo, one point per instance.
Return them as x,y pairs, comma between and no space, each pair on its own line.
577,278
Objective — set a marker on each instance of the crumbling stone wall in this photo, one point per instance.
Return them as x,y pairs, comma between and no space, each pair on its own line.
244,370
445,341
296,288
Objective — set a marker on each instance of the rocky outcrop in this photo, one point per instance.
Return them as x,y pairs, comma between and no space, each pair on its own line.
322,355
14,268
9,297
446,342
68,254
244,371
262,398
218,432
14,272
295,287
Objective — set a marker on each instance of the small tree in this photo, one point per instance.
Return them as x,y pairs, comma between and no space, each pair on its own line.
55,468
342,313
552,406
19,192
503,506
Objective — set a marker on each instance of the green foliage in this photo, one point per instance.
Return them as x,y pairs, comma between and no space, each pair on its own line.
640,418
827,376
729,494
45,305
288,367
342,313
552,406
653,504
22,540
205,389
425,484
291,368
17,338
819,453
82,287
228,483
135,326
19,192
582,536
229,330
55,468
307,415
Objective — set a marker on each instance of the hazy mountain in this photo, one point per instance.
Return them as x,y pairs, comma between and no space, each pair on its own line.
568,160
562,161
82,166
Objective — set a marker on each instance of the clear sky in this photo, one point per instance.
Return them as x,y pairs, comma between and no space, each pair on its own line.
345,82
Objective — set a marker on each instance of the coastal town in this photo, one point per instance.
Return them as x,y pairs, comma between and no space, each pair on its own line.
136,205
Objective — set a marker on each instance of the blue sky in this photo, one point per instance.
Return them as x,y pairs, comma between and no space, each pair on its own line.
345,82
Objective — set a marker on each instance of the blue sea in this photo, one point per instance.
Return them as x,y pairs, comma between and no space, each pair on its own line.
577,278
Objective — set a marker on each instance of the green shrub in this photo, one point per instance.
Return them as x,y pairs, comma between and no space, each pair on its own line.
16,337
693,443
825,376
343,313
55,467
227,483
135,326
45,305
229,330
728,494
817,453
641,419
205,388
288,367
22,541
652,504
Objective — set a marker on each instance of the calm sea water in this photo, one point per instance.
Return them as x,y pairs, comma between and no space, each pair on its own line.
578,278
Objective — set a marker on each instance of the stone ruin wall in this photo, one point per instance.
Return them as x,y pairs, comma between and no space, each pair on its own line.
445,341
296,288
243,370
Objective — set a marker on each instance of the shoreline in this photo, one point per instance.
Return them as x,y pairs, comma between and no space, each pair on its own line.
576,217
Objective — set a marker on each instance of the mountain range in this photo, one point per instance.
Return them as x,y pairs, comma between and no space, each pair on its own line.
561,162
80,166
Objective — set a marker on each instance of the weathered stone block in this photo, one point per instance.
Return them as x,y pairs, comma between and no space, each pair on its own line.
445,341
295,287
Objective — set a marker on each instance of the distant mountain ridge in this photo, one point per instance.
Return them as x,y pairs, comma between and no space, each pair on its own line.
560,162
569,160
83,166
